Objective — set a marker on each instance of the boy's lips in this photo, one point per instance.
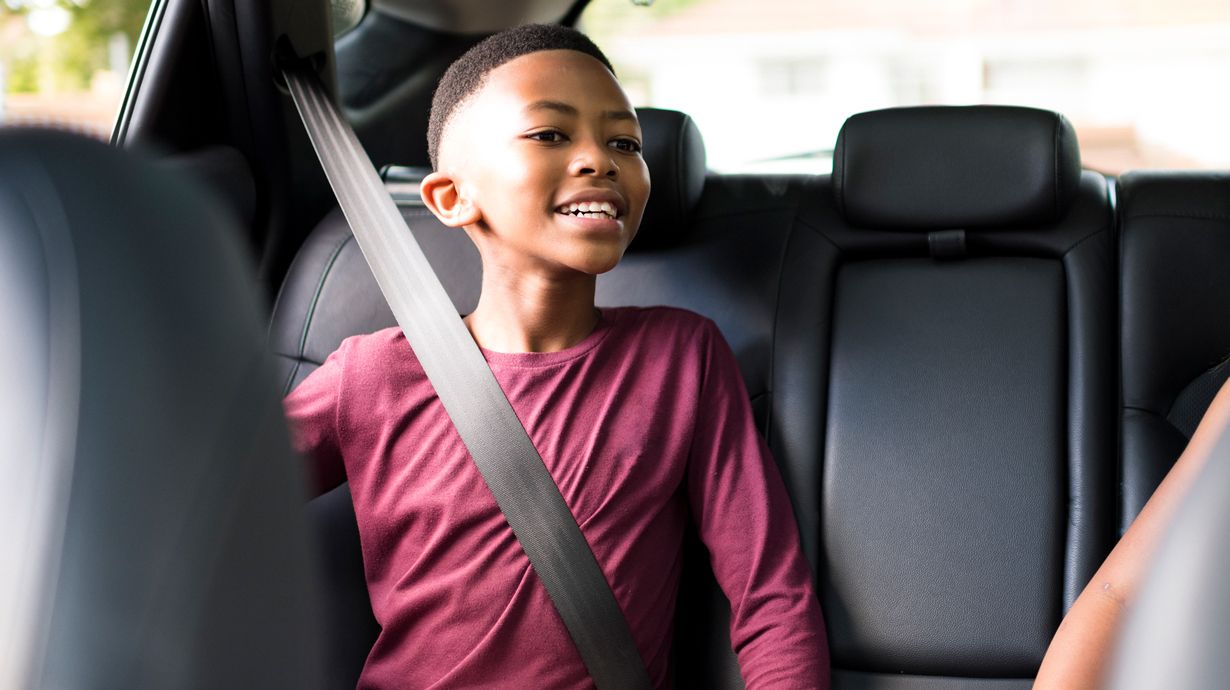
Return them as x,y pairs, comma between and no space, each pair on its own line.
595,204
600,223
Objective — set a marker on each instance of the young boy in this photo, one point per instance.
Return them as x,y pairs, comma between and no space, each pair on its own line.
640,415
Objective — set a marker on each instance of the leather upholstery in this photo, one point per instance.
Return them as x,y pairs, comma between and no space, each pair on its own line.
158,512
1175,306
330,294
941,419
946,429
946,421
1016,412
949,418
942,167
675,154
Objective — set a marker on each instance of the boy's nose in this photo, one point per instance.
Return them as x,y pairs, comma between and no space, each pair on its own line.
595,160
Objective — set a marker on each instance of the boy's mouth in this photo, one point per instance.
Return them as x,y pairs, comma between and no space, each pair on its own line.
589,209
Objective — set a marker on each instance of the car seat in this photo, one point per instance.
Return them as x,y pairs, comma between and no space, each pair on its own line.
152,511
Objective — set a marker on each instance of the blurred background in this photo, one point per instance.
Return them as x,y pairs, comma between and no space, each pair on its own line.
769,82
64,63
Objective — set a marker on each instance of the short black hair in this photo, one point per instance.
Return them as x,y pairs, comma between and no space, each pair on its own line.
467,73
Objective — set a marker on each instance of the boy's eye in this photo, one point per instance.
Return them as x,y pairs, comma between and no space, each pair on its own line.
549,136
627,145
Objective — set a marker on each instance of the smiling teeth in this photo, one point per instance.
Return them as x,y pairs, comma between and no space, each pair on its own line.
589,209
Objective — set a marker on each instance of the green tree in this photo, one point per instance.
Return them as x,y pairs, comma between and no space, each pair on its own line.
69,59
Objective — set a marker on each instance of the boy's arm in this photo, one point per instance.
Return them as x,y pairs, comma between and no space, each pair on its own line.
743,515
1079,652
312,412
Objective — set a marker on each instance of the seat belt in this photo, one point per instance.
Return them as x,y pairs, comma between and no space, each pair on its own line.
486,422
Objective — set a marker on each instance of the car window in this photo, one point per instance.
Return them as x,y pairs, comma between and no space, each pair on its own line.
770,82
65,63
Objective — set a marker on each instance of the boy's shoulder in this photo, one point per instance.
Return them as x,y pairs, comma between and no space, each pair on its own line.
670,332
664,319
376,341
379,348
669,329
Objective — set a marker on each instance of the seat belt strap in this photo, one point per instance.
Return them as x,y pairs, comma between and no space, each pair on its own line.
486,422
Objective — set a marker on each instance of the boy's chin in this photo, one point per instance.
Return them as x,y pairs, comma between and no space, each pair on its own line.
589,260
597,265
595,268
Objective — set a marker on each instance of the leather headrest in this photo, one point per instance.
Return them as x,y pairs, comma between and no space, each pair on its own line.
675,154
154,495
945,167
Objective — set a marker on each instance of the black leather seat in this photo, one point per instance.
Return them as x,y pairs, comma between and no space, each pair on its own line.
1175,306
152,510
957,403
924,335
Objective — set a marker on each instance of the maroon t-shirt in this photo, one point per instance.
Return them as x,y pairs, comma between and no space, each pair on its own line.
643,423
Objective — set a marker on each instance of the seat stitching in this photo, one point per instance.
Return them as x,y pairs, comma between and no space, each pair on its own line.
777,310
311,311
1135,408
1159,416
1055,162
818,231
1086,238
294,371
680,183
1193,215
841,190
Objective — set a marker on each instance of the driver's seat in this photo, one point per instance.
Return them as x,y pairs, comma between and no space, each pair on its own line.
151,510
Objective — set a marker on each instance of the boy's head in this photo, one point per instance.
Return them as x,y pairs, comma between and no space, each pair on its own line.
536,152
466,74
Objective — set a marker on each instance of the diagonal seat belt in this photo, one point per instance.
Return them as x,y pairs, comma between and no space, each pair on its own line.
486,422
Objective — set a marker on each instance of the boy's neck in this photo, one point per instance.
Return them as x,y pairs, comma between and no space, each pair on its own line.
518,313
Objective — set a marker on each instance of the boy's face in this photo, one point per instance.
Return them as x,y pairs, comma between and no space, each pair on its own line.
547,132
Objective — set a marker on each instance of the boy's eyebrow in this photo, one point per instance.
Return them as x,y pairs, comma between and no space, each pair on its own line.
566,109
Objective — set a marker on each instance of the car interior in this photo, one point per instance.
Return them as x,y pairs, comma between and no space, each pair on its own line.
972,358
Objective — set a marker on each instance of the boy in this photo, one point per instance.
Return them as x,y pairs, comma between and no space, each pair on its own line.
639,414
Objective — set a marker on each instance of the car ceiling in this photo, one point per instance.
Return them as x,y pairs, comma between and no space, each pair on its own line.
474,16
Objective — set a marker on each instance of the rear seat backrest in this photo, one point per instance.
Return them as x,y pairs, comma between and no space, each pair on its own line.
993,392
964,423
1175,311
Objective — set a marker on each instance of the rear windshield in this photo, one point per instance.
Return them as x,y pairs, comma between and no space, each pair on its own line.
770,82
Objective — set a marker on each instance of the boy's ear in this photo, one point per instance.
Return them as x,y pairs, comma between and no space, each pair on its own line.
445,200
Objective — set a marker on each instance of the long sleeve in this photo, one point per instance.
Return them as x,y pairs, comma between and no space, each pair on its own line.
312,412
744,517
